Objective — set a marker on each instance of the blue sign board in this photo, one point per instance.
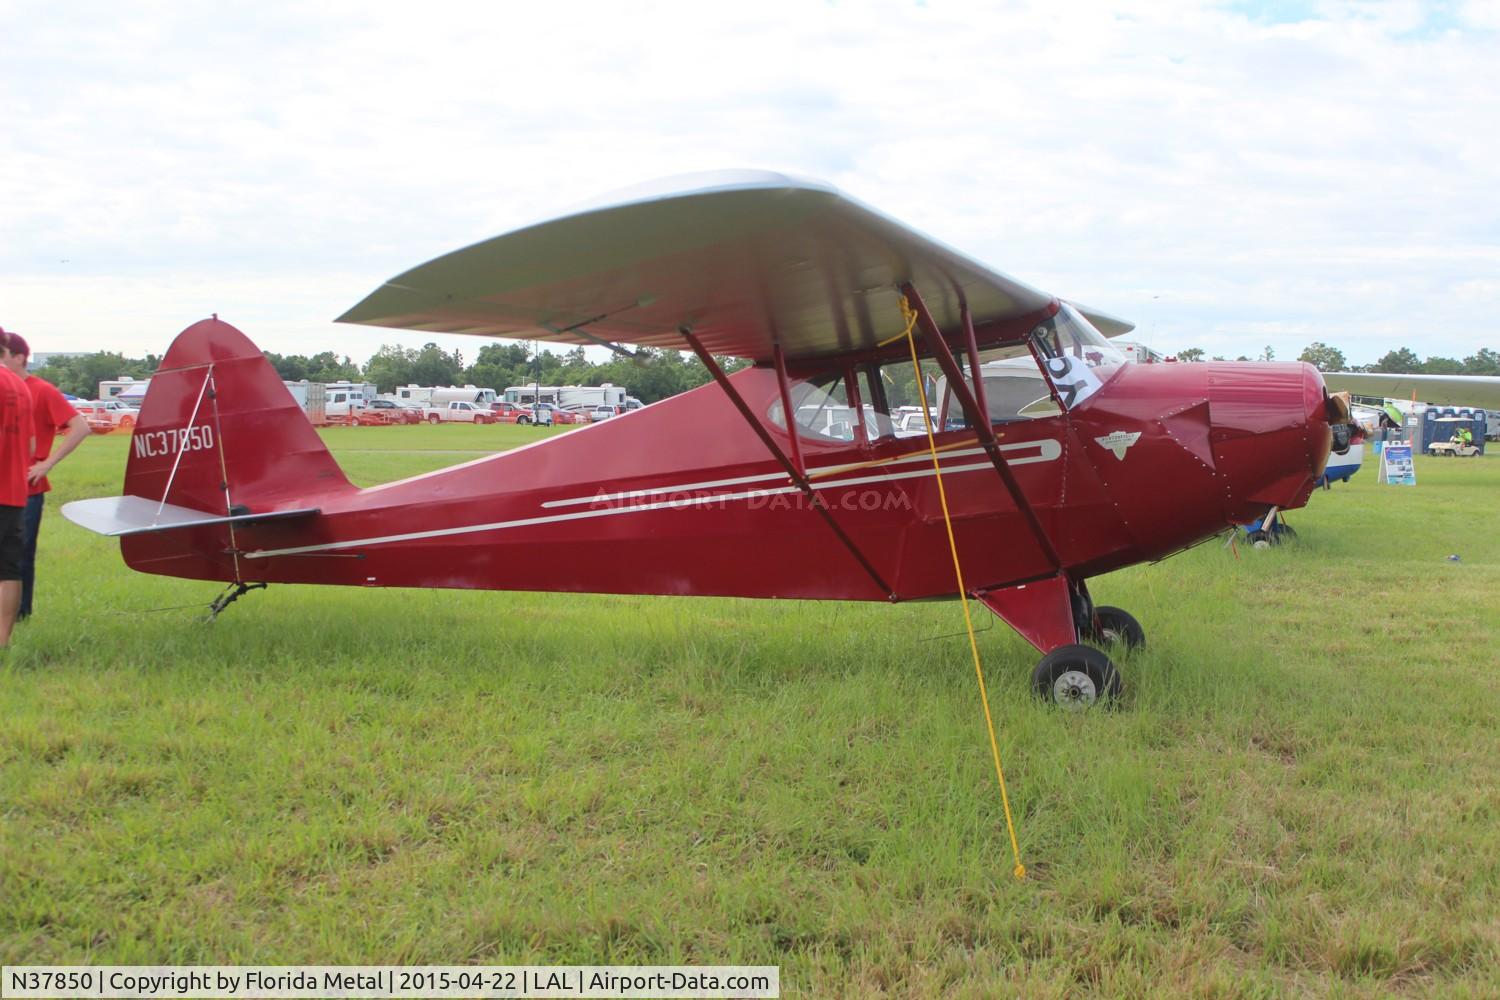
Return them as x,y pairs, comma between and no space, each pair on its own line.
1396,467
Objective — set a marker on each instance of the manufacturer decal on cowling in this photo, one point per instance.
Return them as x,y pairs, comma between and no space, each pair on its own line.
1118,442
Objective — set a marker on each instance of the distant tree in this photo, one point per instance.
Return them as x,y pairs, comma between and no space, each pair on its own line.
1269,354
390,367
291,368
1401,362
328,367
434,366
1442,366
81,376
1191,354
1242,358
1484,362
1324,358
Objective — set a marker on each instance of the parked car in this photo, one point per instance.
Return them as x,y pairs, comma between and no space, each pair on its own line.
548,413
510,413
604,411
96,415
389,411
116,413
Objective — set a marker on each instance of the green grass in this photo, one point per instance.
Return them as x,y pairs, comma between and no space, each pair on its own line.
1298,794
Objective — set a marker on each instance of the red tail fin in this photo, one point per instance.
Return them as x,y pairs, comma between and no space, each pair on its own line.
219,432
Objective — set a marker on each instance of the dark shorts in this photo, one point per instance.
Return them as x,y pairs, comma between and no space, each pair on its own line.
12,542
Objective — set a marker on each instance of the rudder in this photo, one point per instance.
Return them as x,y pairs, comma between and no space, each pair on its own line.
219,432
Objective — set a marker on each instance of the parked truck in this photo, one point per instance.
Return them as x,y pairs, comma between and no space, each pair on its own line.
458,412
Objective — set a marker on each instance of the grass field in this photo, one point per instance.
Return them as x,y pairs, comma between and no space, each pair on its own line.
1300,793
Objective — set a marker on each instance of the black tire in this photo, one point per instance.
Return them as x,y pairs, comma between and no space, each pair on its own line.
433,418
1076,677
523,420
1115,625
1259,540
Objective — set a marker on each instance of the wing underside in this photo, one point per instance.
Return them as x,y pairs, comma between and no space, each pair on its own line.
1439,390
744,260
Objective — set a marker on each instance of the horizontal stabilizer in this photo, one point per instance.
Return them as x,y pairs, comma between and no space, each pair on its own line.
116,516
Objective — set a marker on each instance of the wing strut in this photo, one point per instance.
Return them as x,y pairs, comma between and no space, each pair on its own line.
979,418
792,470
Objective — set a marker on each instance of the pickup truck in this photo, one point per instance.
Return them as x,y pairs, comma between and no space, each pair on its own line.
458,412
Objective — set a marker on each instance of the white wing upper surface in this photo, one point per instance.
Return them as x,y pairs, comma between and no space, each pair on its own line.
746,260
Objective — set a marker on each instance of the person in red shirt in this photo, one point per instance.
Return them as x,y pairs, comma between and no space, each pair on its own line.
51,414
16,444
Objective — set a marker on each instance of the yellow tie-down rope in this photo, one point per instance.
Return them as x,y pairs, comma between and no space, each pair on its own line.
910,316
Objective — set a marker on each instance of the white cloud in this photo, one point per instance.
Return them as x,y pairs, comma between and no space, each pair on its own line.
1327,177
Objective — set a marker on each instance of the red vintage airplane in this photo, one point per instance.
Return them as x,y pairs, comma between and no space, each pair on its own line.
793,478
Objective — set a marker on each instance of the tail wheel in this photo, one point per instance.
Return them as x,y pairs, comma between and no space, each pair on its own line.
1114,625
1076,678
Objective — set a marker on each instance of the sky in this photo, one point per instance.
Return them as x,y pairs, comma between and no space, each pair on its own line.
1228,176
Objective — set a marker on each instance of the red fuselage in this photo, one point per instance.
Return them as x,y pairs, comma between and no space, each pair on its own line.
681,497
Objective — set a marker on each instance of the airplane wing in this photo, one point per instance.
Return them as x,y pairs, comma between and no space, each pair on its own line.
1440,390
745,259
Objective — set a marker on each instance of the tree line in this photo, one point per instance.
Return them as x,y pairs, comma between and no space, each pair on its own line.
1402,361
650,376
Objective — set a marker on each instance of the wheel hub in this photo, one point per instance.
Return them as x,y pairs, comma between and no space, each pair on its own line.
1074,689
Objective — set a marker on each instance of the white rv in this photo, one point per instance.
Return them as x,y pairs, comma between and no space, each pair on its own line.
417,395
114,388
364,392
591,395
525,395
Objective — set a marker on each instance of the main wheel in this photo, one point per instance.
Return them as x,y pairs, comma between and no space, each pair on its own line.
1117,625
1075,677
1260,540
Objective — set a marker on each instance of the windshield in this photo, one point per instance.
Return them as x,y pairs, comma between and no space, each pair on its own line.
1078,358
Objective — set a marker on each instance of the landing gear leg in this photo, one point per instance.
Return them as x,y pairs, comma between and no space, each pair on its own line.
1057,616
231,594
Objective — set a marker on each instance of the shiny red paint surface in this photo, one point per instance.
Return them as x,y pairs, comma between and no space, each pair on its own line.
681,497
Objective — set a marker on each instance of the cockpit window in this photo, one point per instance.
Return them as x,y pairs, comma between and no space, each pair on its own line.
1077,359
1014,388
822,409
